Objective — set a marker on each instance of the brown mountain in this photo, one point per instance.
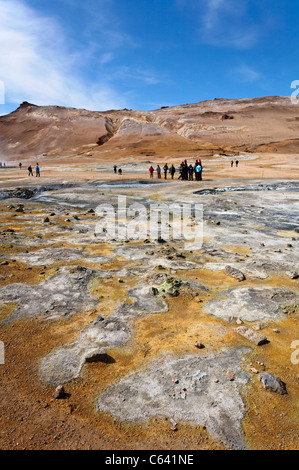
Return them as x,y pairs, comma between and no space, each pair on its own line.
269,124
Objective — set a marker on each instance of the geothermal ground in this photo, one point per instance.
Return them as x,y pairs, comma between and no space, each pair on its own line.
159,344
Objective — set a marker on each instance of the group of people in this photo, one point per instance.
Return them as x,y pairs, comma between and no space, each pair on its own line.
119,171
186,172
166,169
30,171
232,163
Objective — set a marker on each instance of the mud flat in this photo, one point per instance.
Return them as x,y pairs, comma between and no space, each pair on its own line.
142,333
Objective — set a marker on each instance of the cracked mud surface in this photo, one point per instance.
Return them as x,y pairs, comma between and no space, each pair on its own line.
117,322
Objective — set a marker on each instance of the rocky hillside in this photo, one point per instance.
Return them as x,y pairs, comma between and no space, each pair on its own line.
269,124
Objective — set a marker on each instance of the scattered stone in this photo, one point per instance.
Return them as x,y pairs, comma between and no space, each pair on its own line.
235,273
155,291
231,375
172,422
275,330
4,263
255,371
46,220
251,335
273,383
199,345
175,381
292,274
59,392
235,320
173,293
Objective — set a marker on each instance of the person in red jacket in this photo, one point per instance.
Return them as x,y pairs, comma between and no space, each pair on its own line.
151,171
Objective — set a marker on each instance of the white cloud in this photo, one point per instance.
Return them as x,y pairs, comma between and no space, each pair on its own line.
246,74
37,66
225,23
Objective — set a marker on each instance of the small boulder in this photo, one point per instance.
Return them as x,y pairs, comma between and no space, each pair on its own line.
59,392
233,272
273,383
173,292
292,274
251,335
231,375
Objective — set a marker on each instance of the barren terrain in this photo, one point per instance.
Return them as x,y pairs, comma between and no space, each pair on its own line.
159,344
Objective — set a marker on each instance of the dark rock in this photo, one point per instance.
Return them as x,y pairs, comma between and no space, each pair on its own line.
155,291
173,293
273,383
292,274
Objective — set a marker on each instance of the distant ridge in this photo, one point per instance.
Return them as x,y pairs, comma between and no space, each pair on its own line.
264,124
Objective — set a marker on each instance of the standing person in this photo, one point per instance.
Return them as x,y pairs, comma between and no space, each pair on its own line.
232,163
186,171
151,171
237,163
172,171
190,172
30,172
198,170
165,168
37,170
20,165
180,172
158,170
120,172
115,169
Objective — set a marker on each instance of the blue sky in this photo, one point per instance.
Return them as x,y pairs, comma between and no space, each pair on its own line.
144,54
